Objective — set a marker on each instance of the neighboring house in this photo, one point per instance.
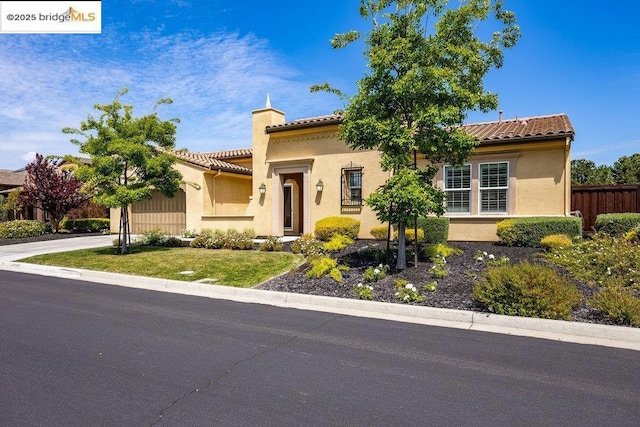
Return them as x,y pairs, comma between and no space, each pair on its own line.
299,172
14,180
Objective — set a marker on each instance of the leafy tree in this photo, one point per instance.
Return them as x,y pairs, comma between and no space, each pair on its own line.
585,172
51,189
128,157
3,210
12,203
626,170
422,81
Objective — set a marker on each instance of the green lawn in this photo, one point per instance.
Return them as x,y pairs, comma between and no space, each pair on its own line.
225,267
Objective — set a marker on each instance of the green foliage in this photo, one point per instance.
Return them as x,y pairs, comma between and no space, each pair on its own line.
373,274
13,203
425,73
3,209
525,289
219,239
189,234
585,172
602,261
323,266
130,156
346,226
85,225
436,229
430,287
364,292
619,304
158,238
407,292
308,246
23,228
633,235
530,231
441,250
555,242
626,170
490,259
617,224
272,244
380,233
439,269
337,243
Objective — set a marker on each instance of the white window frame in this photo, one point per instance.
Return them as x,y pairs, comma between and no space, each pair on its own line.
503,188
458,190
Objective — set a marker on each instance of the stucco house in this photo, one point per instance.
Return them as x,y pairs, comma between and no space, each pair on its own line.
298,172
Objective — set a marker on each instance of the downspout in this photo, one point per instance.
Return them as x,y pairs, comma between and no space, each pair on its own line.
213,204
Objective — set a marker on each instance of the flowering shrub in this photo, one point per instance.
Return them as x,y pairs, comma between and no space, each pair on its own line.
373,274
490,259
407,292
271,244
364,292
308,246
438,271
188,234
602,261
430,287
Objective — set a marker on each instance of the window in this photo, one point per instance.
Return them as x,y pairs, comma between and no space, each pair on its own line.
352,185
494,185
457,186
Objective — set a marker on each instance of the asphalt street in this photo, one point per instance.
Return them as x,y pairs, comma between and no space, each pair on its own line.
80,353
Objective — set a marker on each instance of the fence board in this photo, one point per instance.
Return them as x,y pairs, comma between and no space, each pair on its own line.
595,200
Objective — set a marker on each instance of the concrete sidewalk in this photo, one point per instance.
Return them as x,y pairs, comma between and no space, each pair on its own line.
576,332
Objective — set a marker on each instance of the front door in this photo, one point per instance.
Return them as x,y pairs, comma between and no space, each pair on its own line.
288,207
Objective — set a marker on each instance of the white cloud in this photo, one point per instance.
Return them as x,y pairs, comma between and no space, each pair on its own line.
28,157
215,82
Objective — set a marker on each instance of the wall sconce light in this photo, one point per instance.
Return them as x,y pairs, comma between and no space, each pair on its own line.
262,189
319,186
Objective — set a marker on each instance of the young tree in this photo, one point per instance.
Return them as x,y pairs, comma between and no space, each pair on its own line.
626,170
128,157
51,189
13,204
585,172
422,81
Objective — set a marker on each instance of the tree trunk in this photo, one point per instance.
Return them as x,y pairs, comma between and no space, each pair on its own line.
402,247
124,227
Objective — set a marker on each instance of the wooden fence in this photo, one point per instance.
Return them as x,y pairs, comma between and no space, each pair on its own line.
594,200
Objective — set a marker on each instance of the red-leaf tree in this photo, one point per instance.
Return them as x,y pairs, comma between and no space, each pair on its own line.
51,189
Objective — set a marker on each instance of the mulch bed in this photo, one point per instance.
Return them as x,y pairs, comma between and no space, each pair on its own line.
453,291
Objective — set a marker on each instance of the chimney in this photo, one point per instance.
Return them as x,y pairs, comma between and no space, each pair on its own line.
500,116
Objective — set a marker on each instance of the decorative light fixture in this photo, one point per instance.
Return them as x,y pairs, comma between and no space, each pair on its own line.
319,186
262,189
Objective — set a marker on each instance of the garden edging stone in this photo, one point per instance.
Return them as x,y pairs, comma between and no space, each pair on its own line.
576,332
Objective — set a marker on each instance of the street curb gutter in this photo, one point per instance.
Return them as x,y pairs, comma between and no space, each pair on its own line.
575,332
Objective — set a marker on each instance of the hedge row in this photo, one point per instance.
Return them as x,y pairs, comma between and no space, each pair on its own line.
530,231
617,224
23,228
86,225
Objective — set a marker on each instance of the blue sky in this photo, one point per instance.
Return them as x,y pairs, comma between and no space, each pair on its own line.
218,60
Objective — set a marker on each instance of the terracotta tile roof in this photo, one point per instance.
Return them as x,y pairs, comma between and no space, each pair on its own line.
213,160
331,119
540,127
10,178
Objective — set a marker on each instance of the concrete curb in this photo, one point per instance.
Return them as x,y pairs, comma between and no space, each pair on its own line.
582,333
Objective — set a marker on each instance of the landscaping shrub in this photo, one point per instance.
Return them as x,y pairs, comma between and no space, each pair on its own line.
237,240
633,235
22,228
271,244
603,261
308,246
407,292
158,238
410,235
619,304
617,224
555,242
337,243
322,266
380,233
530,231
85,225
525,289
327,227
435,229
441,250
219,239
